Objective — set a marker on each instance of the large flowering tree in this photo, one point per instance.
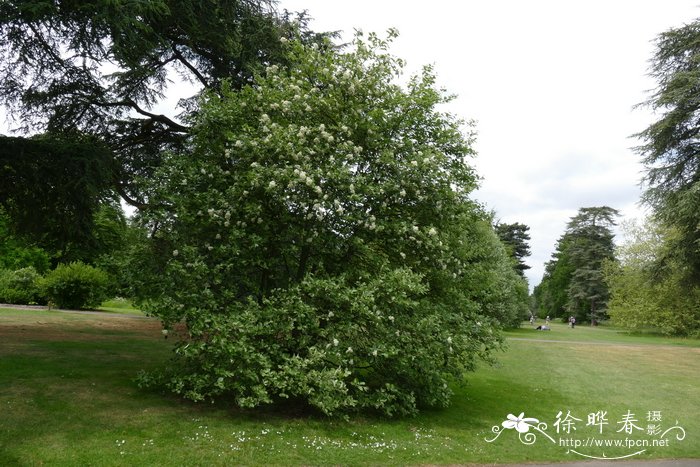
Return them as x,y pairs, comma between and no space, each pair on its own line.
321,243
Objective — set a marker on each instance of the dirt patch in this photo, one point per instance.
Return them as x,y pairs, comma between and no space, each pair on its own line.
89,329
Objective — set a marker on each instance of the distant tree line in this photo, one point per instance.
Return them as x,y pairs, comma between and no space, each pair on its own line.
653,279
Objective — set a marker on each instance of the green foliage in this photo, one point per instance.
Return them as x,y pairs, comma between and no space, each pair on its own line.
99,67
552,294
644,297
53,187
516,238
573,282
590,244
321,245
76,286
16,253
670,151
21,287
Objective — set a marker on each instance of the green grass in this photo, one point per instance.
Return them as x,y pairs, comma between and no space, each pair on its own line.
67,397
119,305
599,334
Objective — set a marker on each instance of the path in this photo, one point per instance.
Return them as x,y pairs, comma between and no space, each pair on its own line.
638,463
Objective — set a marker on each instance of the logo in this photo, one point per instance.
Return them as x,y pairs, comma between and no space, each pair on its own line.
590,439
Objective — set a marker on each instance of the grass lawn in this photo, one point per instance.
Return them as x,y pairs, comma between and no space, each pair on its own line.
119,305
67,397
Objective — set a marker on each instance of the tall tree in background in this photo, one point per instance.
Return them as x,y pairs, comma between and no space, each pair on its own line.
573,283
671,149
590,244
551,294
102,68
515,237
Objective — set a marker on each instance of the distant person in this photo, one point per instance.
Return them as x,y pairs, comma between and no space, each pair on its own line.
546,321
573,322
543,328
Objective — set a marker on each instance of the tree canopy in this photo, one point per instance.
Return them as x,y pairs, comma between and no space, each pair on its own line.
516,237
321,243
641,298
102,68
671,149
52,188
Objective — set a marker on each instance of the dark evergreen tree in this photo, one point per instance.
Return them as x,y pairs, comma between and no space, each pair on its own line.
671,149
52,188
516,237
551,295
573,283
591,243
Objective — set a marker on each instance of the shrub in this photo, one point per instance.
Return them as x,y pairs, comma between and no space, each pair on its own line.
76,286
21,287
320,243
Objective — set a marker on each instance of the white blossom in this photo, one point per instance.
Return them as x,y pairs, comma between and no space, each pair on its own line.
272,184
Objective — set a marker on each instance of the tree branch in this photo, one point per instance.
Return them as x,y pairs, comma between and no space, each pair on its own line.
190,67
126,197
155,117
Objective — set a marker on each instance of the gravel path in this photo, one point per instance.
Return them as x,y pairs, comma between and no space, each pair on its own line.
639,463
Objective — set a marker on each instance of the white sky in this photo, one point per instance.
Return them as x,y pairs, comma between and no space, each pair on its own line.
551,84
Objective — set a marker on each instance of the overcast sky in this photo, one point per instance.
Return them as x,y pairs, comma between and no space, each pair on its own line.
551,83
